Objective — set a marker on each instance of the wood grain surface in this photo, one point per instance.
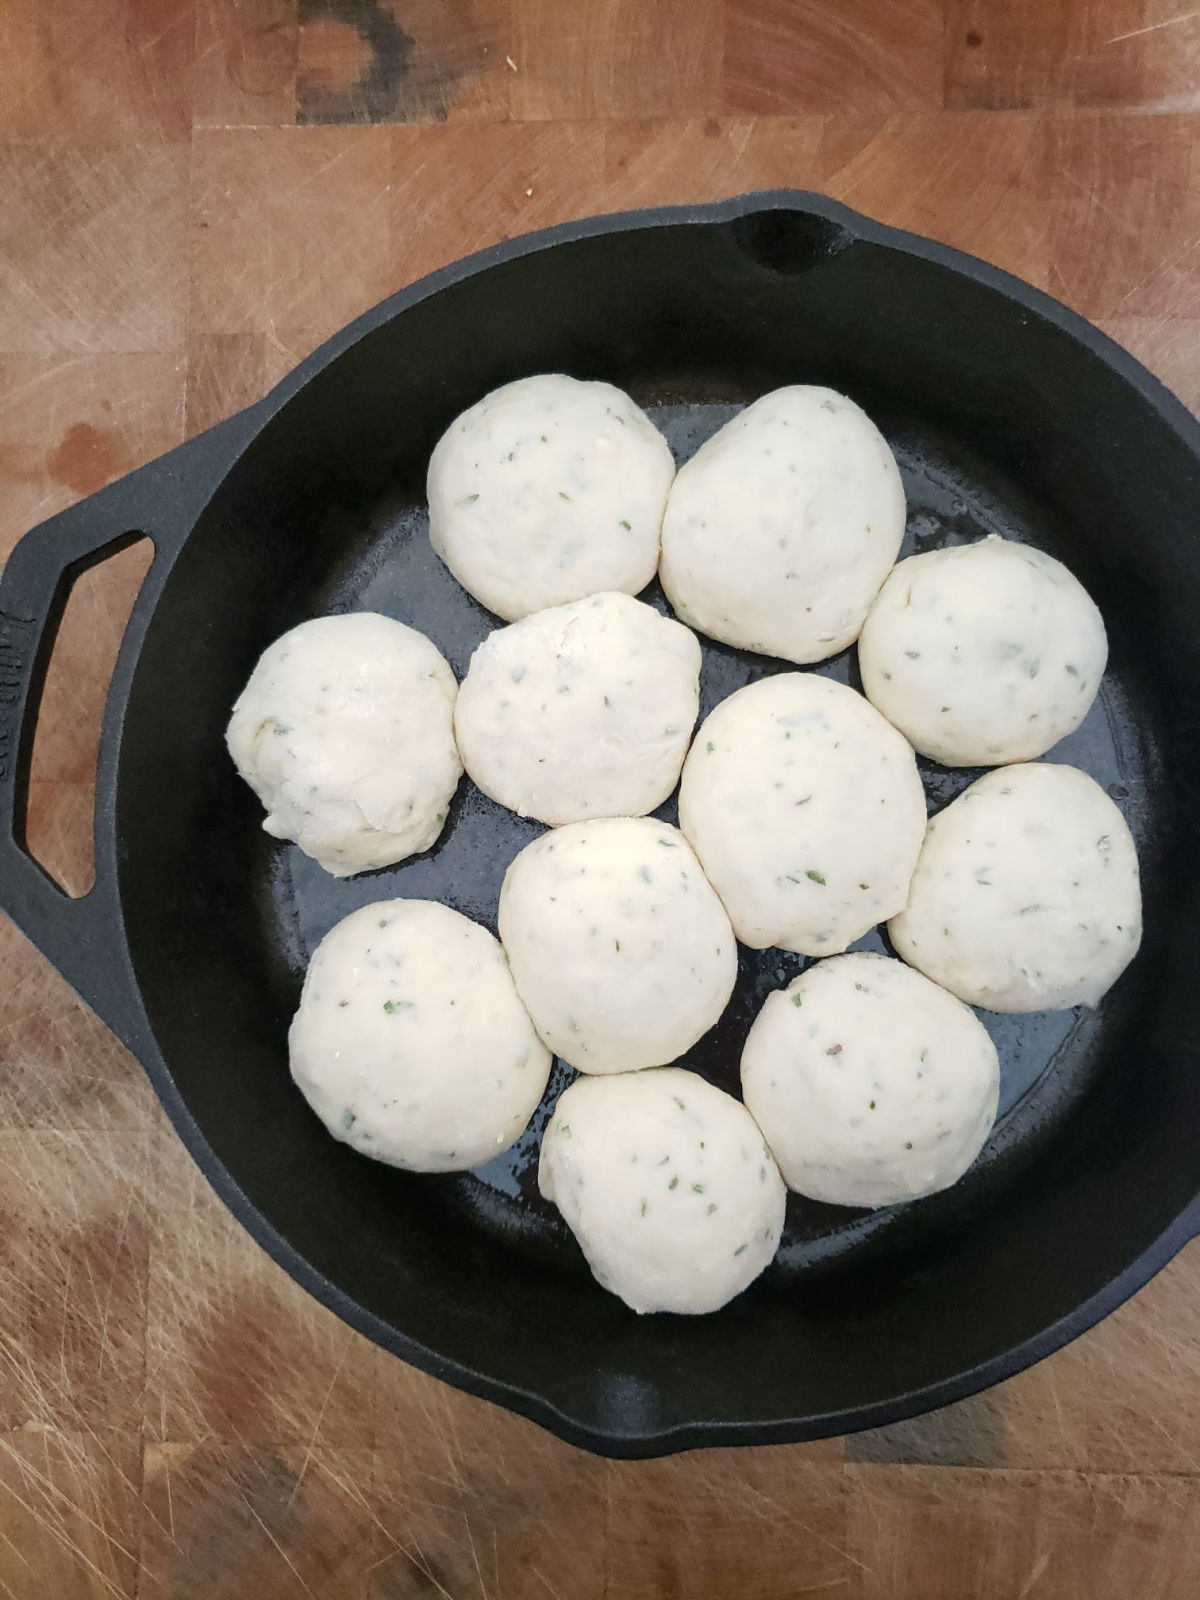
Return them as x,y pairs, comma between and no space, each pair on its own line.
194,194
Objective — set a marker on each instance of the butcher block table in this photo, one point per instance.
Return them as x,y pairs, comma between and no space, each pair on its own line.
193,194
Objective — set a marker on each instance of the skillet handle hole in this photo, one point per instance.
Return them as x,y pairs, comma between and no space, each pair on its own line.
60,803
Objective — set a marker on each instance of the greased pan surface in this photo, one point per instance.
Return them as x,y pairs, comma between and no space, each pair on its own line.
1007,414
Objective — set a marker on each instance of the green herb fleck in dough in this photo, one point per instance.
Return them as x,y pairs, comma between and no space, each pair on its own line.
870,1105
349,1118
741,1247
679,1102
607,701
945,709
563,495
805,800
913,655
697,1188
888,676
383,922
643,1208
617,943
644,874
1074,671
712,1206
343,1002
518,673
797,999
471,499
815,876
280,728
397,1005
711,747
674,1183
628,526
1104,843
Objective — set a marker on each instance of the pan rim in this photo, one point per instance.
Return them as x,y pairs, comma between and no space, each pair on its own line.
550,1413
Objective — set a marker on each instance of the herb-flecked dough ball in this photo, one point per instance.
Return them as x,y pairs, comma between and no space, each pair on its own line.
619,947
782,526
581,711
410,1043
1026,896
667,1185
345,731
806,809
547,490
871,1084
983,654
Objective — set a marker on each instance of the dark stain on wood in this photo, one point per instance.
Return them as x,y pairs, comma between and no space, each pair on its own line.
390,85
87,458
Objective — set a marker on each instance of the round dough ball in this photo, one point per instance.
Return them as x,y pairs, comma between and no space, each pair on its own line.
983,654
618,945
548,490
871,1085
1026,896
410,1043
781,527
806,810
667,1185
581,711
345,732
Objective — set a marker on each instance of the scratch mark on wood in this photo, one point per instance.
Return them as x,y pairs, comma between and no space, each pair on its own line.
1154,27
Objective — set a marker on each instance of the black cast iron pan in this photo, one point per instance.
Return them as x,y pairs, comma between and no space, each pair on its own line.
1007,413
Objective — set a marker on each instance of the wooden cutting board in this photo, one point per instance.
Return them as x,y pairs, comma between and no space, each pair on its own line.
195,193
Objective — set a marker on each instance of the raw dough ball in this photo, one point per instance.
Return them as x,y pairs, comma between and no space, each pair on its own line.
410,1043
1026,896
806,810
986,653
345,732
667,1185
618,945
871,1085
781,527
549,490
582,711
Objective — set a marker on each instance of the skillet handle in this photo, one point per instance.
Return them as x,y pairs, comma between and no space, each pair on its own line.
83,936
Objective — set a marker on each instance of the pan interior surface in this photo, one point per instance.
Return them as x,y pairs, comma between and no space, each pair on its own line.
1002,422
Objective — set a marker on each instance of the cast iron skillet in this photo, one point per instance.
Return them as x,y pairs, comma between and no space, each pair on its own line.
1007,412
